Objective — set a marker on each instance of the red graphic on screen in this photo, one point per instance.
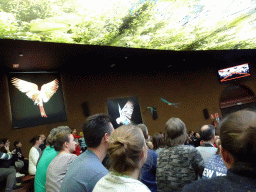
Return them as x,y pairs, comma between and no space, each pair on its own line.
38,96
235,72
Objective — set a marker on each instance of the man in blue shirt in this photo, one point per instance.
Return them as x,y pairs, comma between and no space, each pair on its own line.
87,169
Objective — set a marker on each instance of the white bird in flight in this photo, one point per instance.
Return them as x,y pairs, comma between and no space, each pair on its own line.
38,96
125,113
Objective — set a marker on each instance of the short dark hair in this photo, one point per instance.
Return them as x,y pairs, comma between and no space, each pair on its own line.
237,135
16,143
34,139
61,138
95,128
208,133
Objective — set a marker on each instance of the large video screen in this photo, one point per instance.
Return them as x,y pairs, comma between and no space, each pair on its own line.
36,99
235,72
149,24
124,111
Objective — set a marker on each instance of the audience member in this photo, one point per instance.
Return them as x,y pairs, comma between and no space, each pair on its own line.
238,151
9,162
58,167
196,139
87,169
148,170
177,164
128,152
34,154
82,142
8,173
207,149
215,166
18,158
158,142
43,145
78,149
48,155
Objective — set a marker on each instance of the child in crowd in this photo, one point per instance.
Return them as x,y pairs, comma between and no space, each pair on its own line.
127,152
82,143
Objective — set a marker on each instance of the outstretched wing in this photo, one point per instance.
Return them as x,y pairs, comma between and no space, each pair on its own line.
25,87
49,89
128,110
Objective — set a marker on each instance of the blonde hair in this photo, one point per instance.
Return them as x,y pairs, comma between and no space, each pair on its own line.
125,147
176,132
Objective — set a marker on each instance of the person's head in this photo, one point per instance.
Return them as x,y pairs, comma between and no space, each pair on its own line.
81,134
42,137
17,144
97,129
6,142
127,149
52,136
65,142
158,141
36,141
207,133
144,130
74,131
176,132
238,138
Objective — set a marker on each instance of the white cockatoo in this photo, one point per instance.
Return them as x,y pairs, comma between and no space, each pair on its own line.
38,96
125,113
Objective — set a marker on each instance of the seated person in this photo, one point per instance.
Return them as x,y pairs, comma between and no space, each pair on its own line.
215,166
177,164
148,170
18,158
238,151
8,173
127,152
34,154
207,149
82,142
87,169
48,155
158,142
9,162
57,169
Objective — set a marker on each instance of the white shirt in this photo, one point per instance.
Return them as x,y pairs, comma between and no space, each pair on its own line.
33,158
207,151
114,183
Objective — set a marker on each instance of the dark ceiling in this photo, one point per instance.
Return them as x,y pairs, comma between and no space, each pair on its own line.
43,56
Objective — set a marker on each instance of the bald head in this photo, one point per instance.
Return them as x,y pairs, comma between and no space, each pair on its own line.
207,132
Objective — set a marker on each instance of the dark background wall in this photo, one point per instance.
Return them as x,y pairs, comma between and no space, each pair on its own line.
194,89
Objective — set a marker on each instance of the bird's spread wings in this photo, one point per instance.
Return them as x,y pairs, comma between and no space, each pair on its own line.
26,87
49,89
128,110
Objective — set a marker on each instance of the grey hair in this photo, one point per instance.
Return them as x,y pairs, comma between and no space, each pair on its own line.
52,136
176,132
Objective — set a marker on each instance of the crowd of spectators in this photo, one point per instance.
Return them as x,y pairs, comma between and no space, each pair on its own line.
102,158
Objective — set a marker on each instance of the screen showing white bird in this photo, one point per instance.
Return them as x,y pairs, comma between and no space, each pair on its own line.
125,113
38,96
